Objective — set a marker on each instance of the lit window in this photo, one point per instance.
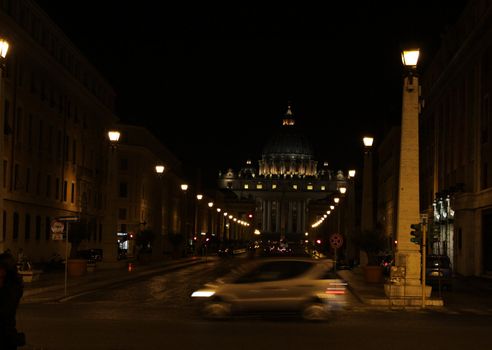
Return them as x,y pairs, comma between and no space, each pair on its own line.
323,188
310,187
246,186
294,187
274,186
259,186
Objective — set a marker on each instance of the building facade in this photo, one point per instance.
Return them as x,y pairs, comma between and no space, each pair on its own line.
456,152
288,193
56,159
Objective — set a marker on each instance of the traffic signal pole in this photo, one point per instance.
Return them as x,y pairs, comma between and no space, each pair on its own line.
424,246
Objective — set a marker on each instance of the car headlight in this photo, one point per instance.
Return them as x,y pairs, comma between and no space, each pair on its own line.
202,294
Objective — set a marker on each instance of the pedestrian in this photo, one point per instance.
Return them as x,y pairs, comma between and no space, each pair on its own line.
11,290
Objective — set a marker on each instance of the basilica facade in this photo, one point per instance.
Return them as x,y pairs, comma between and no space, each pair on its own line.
288,191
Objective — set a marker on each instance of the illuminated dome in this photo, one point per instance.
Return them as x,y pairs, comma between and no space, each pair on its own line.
288,152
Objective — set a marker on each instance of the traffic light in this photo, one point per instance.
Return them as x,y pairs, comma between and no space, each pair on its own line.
416,233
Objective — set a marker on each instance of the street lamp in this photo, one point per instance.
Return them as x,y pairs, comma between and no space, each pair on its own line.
110,216
114,137
210,218
199,197
408,255
367,222
184,188
4,48
159,169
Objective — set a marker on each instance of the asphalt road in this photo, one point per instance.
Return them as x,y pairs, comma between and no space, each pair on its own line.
157,313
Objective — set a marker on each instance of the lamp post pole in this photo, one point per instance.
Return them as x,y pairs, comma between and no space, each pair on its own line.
159,169
4,47
196,233
110,238
184,188
408,254
367,222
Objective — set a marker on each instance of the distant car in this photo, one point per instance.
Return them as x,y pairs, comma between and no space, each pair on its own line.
439,272
300,285
225,252
91,254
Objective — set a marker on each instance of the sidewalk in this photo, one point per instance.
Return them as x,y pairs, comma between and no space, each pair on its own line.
373,293
51,285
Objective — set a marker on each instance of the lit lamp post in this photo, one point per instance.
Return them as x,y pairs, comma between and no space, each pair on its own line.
196,231
350,231
159,170
4,48
110,238
210,218
367,222
408,257
184,188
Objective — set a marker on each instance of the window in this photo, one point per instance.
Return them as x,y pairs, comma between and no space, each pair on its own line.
72,193
15,227
259,186
123,190
27,232
38,184
57,188
122,214
7,130
38,228
4,225
124,164
5,170
40,136
323,188
74,152
310,187
47,228
294,187
65,189
274,186
29,132
16,176
246,186
28,178
48,186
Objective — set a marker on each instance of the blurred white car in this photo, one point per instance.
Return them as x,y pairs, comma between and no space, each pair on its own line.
304,285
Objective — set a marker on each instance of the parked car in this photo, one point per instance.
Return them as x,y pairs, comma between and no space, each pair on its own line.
284,284
91,254
439,273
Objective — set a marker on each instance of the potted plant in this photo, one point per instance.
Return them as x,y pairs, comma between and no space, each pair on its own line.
77,232
372,242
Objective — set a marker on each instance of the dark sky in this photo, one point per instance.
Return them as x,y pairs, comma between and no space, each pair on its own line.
213,81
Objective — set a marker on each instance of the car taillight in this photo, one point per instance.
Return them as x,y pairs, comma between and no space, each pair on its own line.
336,288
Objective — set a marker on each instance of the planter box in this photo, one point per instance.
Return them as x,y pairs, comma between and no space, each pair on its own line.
77,267
373,274
30,275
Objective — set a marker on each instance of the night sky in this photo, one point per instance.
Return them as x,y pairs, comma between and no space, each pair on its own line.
213,82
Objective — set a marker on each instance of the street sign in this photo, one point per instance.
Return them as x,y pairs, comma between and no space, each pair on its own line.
57,226
336,240
57,236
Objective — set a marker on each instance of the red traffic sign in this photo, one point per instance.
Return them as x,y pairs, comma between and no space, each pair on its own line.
57,226
336,240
